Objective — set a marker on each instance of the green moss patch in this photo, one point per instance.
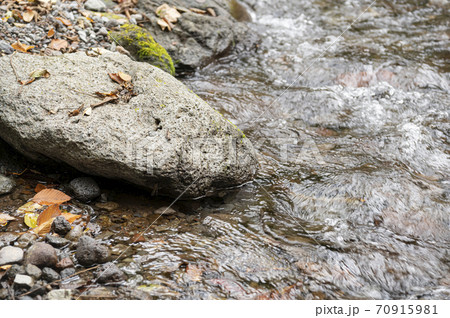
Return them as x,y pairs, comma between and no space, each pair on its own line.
140,43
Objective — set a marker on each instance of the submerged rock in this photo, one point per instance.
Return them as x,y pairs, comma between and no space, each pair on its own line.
165,139
108,273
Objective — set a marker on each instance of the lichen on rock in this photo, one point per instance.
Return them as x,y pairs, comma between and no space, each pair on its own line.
143,47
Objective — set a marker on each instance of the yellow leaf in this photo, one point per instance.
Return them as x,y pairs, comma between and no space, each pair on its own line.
21,47
39,74
30,219
29,207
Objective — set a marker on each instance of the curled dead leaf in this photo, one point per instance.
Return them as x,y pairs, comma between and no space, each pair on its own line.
50,196
71,217
51,33
21,47
167,16
198,11
120,77
28,15
58,44
5,218
44,228
39,74
211,12
66,22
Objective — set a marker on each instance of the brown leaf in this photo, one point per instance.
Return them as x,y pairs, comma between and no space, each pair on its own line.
21,47
50,213
50,196
211,12
71,217
125,77
51,33
58,44
44,228
110,94
137,238
28,15
115,77
199,11
26,82
39,187
66,22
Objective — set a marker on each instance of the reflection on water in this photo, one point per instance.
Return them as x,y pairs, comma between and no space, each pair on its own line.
352,198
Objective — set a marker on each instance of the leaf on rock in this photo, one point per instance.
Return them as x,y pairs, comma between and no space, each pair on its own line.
125,77
50,196
5,218
66,22
119,77
30,219
21,47
50,213
167,16
26,82
58,44
211,12
198,11
28,15
29,207
39,74
51,33
87,111
71,217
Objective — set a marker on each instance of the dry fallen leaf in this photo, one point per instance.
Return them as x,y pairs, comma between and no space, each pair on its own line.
5,218
125,77
30,219
87,111
51,33
120,77
66,22
58,44
44,228
26,82
71,217
39,74
167,16
199,11
211,12
21,47
28,15
164,24
39,187
51,212
50,196
29,207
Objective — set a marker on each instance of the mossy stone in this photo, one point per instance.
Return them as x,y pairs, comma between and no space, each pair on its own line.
140,43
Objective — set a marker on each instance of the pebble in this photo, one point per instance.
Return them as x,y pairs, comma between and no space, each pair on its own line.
6,48
23,281
61,226
90,251
41,255
60,294
95,5
7,238
74,233
85,188
82,35
67,272
26,239
50,275
6,184
108,273
103,31
165,211
107,206
10,255
33,271
56,241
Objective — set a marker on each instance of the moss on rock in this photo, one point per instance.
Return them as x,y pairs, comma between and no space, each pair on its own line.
143,47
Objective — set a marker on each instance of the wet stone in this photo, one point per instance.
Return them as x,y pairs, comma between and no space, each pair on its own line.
10,255
108,273
90,251
67,272
33,271
84,188
6,185
50,275
7,238
26,239
74,233
41,255
60,294
56,241
61,226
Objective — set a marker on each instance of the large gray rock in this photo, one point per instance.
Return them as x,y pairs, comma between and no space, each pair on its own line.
197,39
10,255
90,251
165,139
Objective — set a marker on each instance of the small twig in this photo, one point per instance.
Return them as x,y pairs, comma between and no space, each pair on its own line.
105,101
12,66
59,280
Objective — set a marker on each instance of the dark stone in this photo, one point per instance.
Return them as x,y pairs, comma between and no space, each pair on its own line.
108,273
67,272
85,189
49,274
61,226
56,241
41,255
90,251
